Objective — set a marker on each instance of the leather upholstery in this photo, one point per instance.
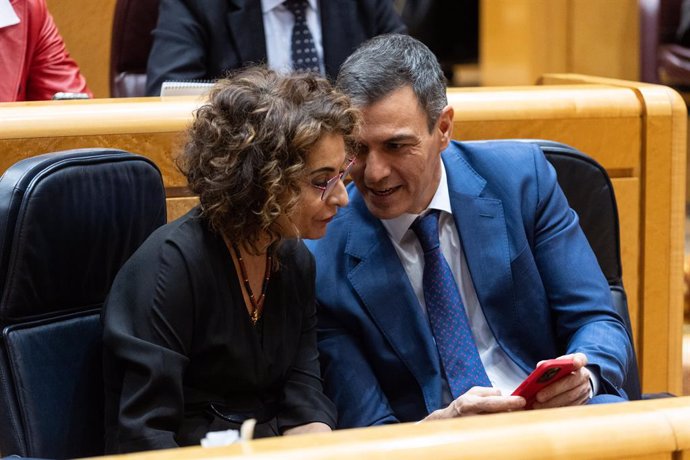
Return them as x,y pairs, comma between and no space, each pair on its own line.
590,193
131,43
68,221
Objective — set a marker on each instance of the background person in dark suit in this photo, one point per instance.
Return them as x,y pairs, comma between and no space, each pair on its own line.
203,39
526,276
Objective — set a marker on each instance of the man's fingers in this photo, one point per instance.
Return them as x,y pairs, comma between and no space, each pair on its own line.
579,359
474,405
578,378
483,391
574,397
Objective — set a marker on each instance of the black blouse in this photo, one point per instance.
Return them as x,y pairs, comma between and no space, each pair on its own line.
181,356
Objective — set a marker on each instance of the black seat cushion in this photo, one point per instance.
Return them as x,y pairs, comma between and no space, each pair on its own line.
54,368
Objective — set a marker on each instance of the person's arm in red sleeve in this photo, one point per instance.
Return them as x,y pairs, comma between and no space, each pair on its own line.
51,69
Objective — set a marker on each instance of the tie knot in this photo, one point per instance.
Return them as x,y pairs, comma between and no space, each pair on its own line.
426,229
297,8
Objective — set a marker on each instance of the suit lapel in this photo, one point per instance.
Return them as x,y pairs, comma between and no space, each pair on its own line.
381,282
483,234
246,25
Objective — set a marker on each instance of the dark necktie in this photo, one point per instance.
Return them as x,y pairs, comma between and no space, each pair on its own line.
449,324
304,56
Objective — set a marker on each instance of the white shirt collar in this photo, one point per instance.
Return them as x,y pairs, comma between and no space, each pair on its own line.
398,226
268,5
8,17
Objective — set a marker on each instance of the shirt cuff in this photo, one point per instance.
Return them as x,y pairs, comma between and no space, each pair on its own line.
593,381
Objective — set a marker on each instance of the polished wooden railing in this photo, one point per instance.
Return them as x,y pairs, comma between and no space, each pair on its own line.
656,429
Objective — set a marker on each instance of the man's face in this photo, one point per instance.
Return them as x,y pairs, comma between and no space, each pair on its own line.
399,161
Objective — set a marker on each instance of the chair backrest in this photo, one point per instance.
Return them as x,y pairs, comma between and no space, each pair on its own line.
590,194
68,221
131,43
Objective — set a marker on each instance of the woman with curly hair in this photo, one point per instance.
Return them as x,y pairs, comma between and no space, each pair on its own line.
212,320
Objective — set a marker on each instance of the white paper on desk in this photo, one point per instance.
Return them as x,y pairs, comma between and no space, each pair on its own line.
7,15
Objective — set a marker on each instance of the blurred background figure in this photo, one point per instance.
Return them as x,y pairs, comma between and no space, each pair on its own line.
450,28
34,64
203,40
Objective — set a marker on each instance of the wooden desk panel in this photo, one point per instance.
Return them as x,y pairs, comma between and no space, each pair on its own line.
602,121
653,429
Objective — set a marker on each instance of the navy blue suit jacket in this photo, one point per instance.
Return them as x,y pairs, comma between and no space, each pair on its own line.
536,277
203,39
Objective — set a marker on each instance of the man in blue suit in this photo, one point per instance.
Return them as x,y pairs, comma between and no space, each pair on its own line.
528,280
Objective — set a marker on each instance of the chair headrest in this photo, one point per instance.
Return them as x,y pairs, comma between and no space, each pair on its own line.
68,221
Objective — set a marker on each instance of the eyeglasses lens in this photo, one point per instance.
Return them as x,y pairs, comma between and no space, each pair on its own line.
330,185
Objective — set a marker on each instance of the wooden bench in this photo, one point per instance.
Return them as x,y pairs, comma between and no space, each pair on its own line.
636,131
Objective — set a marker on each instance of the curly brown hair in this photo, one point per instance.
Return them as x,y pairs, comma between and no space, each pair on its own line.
247,147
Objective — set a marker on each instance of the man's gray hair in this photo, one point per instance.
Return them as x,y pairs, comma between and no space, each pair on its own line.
389,62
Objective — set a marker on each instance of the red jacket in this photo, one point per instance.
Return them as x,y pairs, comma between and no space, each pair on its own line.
34,63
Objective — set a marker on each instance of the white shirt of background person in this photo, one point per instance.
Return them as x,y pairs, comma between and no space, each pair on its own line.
278,23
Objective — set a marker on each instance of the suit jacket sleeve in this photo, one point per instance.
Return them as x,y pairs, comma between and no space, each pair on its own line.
179,47
350,380
50,69
387,19
578,292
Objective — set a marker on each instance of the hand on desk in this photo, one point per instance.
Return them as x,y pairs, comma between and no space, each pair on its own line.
573,390
478,400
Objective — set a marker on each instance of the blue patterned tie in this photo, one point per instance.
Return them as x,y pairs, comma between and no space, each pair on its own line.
449,324
303,54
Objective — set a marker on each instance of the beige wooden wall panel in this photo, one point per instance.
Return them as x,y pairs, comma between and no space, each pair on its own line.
522,39
604,38
655,429
86,26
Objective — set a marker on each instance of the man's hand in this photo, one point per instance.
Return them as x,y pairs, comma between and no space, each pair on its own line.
478,400
572,390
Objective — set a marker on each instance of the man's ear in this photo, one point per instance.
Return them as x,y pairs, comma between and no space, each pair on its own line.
445,125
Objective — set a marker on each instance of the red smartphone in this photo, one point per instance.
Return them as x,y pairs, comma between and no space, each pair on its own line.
545,374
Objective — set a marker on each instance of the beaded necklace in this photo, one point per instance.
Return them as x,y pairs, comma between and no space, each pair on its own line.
255,314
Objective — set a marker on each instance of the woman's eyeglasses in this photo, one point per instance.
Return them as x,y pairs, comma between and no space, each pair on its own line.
333,181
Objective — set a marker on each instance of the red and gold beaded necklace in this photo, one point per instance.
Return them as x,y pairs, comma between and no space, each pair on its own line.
257,305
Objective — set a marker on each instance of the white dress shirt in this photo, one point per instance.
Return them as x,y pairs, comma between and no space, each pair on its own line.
503,373
278,23
8,17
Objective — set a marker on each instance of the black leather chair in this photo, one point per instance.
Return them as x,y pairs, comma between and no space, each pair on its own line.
590,194
68,221
133,23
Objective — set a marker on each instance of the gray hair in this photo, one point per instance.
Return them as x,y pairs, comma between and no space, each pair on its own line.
389,62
